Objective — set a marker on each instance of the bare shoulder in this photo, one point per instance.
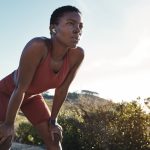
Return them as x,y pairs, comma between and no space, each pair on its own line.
31,57
37,41
33,53
76,53
76,56
35,45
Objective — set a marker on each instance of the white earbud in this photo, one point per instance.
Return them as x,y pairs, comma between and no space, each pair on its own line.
54,31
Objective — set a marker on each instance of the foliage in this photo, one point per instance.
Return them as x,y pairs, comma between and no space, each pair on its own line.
27,134
90,124
73,96
131,126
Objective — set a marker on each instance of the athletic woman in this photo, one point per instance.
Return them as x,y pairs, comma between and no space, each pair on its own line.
45,63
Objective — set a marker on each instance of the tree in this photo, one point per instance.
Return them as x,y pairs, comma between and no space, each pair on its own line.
87,92
72,96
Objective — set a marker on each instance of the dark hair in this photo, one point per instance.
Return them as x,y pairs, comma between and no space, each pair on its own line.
59,12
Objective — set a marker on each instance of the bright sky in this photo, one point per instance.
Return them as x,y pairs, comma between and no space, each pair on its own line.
116,39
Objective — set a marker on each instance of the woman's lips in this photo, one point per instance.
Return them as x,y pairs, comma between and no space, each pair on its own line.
76,39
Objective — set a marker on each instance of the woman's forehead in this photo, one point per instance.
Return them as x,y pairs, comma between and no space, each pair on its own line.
74,16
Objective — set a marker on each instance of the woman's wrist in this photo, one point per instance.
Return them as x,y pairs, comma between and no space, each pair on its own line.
9,123
53,122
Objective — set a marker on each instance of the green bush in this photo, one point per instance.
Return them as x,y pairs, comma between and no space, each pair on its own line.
90,124
131,127
27,134
71,139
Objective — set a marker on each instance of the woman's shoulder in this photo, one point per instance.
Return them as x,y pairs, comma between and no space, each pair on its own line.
76,55
38,41
37,45
78,51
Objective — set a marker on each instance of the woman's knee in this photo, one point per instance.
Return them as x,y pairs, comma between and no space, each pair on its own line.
6,145
51,144
43,130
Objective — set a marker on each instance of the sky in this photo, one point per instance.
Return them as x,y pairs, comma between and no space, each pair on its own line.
116,40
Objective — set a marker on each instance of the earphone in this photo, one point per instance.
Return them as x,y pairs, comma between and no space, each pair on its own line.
54,30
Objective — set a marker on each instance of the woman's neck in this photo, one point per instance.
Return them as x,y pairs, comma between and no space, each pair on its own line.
58,51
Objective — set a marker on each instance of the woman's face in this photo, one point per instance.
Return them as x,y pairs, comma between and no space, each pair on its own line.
69,29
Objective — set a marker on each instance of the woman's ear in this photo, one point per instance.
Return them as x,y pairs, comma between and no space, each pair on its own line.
52,29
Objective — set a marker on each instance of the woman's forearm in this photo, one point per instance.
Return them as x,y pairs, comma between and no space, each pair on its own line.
59,98
13,106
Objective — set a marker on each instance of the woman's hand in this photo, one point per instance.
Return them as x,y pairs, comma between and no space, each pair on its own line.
56,132
6,131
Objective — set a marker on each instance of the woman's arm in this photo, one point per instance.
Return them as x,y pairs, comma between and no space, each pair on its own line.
30,58
76,57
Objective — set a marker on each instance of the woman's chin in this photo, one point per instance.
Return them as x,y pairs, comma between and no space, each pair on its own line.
73,45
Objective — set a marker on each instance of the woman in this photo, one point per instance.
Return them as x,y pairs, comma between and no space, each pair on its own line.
44,64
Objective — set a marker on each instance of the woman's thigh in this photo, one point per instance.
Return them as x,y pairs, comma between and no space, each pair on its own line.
38,113
36,110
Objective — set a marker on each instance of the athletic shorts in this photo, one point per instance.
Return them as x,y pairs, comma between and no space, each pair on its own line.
33,106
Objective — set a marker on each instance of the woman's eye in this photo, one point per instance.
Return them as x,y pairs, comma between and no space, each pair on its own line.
70,23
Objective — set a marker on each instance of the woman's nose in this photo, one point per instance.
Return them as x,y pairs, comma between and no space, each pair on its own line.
77,30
